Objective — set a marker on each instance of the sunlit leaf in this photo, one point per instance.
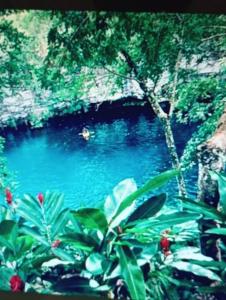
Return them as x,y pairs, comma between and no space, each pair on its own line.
195,269
91,218
154,183
94,263
112,202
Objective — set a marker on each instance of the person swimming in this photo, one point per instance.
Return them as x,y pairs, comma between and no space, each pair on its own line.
85,133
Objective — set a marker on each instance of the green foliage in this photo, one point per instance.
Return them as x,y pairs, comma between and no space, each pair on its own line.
127,259
200,101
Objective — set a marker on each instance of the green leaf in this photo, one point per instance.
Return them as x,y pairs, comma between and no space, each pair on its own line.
37,262
131,273
80,241
219,231
5,275
63,255
203,209
195,269
32,201
91,218
8,234
24,243
94,263
113,201
34,234
154,183
163,221
9,229
55,208
191,253
149,208
28,216
5,243
60,222
221,179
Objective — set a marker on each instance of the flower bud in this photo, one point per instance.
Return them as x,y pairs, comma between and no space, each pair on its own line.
164,244
9,196
16,284
40,198
56,244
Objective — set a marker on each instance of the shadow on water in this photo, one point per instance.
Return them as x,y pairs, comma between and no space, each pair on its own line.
123,146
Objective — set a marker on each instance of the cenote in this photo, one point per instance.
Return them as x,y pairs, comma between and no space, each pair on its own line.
128,143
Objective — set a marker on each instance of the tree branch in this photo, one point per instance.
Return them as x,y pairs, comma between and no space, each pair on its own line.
120,75
213,37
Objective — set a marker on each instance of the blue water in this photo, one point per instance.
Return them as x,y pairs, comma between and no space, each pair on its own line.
57,158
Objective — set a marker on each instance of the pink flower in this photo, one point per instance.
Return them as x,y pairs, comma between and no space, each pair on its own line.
56,244
16,284
40,198
9,196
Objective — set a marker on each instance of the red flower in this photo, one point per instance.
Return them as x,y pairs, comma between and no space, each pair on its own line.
55,244
9,196
164,244
40,198
16,284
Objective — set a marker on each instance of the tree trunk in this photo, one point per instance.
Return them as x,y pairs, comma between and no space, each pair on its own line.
170,142
211,156
163,117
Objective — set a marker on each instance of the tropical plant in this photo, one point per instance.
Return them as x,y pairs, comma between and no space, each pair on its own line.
134,249
216,230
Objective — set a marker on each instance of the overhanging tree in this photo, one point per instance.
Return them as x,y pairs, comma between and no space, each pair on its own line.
148,48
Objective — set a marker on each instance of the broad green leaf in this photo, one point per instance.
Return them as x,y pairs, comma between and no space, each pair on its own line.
215,265
191,253
113,201
219,231
149,208
6,243
8,234
8,229
221,179
162,222
37,262
60,222
203,209
62,254
34,234
91,218
154,183
195,269
24,243
131,273
176,218
94,263
80,241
